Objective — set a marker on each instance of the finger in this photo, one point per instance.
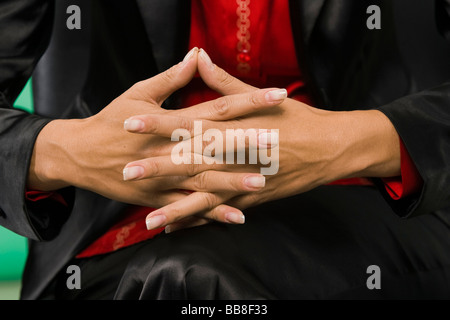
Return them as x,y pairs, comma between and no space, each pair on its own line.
231,215
220,109
160,87
168,125
186,223
187,165
184,165
236,105
163,125
224,146
217,181
218,79
192,204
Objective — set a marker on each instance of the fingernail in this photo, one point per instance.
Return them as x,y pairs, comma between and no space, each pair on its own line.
189,56
255,181
276,95
235,217
168,229
131,173
133,125
206,59
154,222
268,139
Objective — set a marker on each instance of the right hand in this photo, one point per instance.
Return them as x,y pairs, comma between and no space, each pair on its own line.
91,153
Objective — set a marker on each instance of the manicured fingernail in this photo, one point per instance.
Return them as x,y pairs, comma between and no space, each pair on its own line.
154,222
133,125
206,59
235,217
255,181
268,139
132,173
189,55
276,95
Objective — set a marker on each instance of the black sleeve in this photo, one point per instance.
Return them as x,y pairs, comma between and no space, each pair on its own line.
25,30
422,121
443,17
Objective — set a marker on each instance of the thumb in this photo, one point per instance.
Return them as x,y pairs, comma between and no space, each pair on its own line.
160,87
218,79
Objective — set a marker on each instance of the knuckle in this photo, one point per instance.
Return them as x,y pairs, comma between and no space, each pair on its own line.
154,168
215,214
200,181
138,87
185,123
139,91
168,76
220,106
224,79
210,200
193,169
254,99
152,124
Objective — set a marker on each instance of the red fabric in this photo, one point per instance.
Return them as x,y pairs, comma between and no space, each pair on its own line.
271,57
410,180
34,196
129,231
214,28
271,61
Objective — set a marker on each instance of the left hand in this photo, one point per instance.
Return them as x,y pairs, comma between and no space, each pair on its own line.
315,147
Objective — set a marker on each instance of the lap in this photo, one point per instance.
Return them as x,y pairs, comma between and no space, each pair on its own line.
316,245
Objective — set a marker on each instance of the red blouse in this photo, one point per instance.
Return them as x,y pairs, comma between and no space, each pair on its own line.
253,41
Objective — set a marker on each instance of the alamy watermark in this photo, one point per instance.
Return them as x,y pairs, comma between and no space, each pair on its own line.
259,146
74,280
74,20
374,280
374,20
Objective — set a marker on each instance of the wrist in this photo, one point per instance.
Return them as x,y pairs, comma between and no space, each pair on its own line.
51,167
370,145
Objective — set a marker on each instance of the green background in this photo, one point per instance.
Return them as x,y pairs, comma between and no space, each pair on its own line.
13,247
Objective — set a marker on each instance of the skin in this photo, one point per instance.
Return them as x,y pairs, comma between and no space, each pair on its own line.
91,153
315,147
123,152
